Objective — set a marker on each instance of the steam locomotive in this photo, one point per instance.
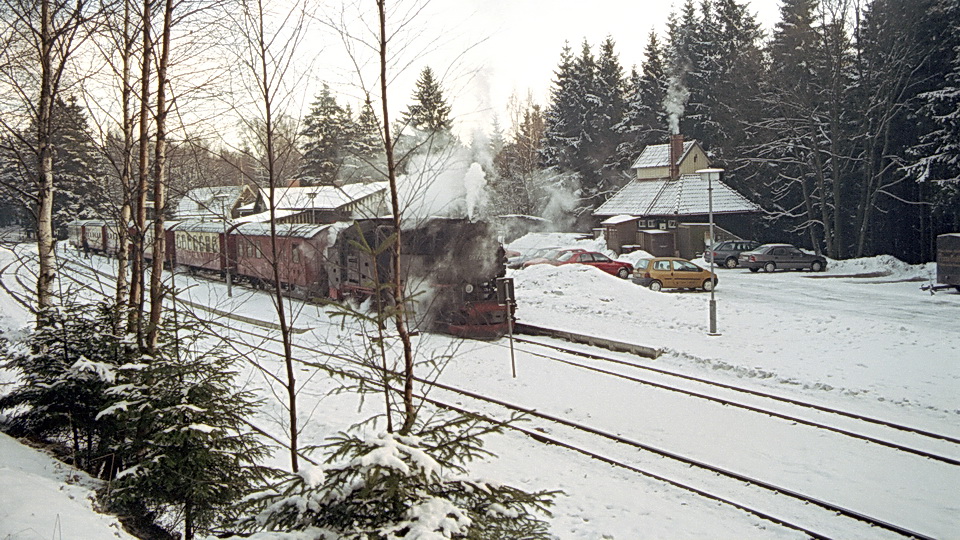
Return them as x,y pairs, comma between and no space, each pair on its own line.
450,265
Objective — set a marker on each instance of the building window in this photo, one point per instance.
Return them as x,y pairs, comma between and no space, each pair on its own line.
672,224
663,225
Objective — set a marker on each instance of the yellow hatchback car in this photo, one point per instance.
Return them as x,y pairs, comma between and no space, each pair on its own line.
672,273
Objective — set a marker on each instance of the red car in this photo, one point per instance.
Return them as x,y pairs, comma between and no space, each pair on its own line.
552,257
592,258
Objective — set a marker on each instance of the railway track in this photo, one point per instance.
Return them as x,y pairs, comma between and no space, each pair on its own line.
950,445
483,404
613,456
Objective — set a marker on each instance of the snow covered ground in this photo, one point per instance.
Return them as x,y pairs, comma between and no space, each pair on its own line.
860,336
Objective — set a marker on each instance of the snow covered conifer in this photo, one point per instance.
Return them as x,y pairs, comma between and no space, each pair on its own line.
393,486
66,367
327,131
429,110
189,455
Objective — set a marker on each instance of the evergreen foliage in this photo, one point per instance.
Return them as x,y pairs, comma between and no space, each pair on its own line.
429,111
586,102
327,132
644,121
66,367
365,158
393,486
188,451
77,164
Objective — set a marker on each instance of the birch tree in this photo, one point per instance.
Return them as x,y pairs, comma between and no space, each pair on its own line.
40,39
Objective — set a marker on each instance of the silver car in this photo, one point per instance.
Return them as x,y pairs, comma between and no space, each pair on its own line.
773,257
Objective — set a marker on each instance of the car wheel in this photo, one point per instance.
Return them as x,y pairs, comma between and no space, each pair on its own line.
731,262
656,285
708,285
754,270
623,273
817,266
769,267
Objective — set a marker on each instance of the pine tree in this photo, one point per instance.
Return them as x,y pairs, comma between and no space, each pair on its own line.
392,486
644,121
429,111
188,453
364,159
78,168
326,132
938,167
65,370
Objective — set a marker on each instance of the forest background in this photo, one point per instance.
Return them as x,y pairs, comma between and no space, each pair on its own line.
841,122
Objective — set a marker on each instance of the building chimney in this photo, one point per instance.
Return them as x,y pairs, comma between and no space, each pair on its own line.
676,152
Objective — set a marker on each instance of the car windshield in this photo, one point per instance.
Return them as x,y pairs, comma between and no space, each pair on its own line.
566,255
541,252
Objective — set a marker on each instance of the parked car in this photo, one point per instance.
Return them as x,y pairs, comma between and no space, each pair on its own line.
551,256
772,257
536,253
672,273
727,253
620,269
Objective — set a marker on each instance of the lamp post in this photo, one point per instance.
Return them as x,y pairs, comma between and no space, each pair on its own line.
709,175
226,258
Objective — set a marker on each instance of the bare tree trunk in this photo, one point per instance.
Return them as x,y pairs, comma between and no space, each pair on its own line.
45,243
410,412
159,184
126,167
137,270
267,74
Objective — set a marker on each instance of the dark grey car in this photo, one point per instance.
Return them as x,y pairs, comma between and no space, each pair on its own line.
727,253
772,257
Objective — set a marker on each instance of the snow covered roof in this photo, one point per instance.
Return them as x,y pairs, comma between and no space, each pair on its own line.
298,230
209,202
321,197
202,225
686,196
616,220
265,216
658,155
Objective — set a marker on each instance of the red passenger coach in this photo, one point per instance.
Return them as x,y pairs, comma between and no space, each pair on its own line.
169,243
95,232
300,251
200,246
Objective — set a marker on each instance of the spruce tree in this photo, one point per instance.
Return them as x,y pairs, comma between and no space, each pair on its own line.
66,368
326,132
644,121
393,486
78,168
188,453
429,111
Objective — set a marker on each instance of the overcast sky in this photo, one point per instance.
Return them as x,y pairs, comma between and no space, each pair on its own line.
489,49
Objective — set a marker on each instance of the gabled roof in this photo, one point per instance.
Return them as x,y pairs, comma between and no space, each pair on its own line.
658,155
209,202
686,196
321,197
